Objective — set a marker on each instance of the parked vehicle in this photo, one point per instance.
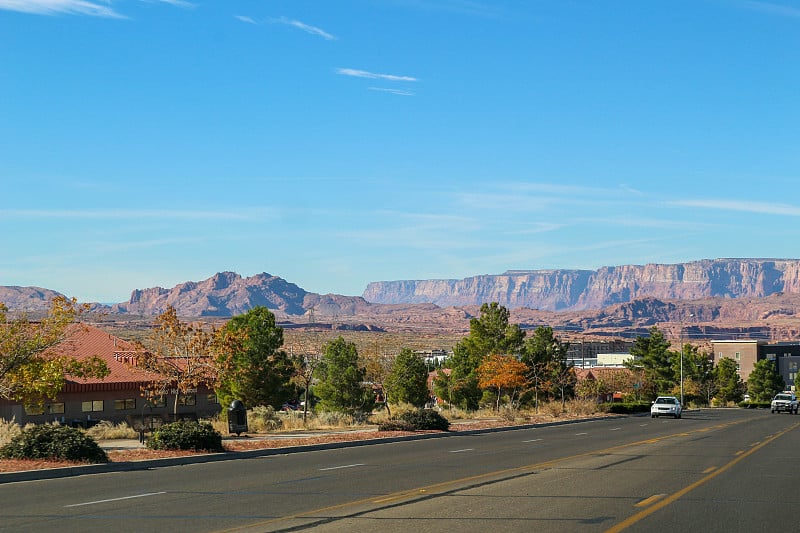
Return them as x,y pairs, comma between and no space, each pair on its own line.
784,402
666,405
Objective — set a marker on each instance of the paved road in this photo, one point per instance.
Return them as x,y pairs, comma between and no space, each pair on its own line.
714,470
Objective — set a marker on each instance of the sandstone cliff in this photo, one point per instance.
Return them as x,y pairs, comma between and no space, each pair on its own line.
558,290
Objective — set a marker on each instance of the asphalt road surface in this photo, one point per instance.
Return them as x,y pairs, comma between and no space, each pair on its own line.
713,470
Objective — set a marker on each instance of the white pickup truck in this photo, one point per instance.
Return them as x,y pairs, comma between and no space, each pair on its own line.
784,401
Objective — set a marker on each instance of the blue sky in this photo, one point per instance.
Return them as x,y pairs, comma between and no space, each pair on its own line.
334,143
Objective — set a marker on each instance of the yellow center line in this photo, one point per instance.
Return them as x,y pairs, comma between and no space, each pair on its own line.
651,500
625,524
709,469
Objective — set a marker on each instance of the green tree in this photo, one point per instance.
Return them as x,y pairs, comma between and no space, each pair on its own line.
408,379
729,385
491,333
651,354
764,381
697,368
32,368
341,384
546,358
251,367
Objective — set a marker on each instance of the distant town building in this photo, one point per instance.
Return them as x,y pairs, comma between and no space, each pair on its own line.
785,355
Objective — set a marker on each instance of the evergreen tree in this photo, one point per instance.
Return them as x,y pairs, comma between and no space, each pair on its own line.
341,384
408,380
250,364
489,334
546,359
651,355
729,385
764,381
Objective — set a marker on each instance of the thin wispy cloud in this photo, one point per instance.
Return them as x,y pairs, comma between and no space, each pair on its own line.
772,8
313,30
106,214
248,20
372,75
176,3
742,206
399,92
459,7
61,7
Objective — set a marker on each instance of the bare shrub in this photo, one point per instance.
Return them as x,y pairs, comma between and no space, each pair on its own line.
553,409
263,418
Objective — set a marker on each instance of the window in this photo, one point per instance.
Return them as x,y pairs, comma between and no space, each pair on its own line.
157,402
187,399
92,406
34,409
738,367
212,399
792,376
55,408
125,405
738,355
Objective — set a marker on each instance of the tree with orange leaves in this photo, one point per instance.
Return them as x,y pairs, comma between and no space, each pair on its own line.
502,373
179,357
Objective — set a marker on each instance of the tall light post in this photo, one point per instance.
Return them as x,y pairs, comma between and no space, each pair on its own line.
680,339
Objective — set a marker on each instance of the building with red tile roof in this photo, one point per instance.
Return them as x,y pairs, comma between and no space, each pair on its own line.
117,397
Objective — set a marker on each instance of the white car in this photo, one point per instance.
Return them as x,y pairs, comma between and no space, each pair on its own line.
666,405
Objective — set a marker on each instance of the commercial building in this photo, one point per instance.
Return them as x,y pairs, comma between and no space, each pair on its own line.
116,398
746,352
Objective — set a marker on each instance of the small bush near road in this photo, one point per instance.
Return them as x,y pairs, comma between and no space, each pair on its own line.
425,419
626,408
54,442
195,436
396,425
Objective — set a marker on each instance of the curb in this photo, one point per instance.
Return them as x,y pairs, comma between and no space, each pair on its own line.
149,464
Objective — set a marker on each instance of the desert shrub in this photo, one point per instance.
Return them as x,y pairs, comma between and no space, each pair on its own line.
106,430
554,409
54,442
396,425
425,419
509,414
263,418
335,419
186,436
8,430
629,407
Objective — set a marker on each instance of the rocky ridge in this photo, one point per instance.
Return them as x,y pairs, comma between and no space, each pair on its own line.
572,290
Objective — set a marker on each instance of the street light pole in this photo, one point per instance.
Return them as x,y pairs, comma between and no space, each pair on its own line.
680,339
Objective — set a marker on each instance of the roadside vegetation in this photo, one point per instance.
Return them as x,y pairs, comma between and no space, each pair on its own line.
326,380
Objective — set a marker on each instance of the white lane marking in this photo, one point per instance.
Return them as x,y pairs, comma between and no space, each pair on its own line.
464,450
116,499
579,434
642,425
342,466
532,440
615,429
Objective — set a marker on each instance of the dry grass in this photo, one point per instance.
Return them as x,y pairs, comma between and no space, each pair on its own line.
106,430
8,430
